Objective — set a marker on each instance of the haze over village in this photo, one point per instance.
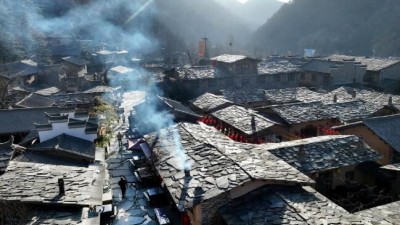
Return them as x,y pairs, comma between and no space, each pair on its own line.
199,112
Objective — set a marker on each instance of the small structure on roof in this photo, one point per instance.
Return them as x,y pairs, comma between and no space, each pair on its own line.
233,65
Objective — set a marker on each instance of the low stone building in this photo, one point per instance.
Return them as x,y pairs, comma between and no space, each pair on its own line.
233,65
201,177
381,133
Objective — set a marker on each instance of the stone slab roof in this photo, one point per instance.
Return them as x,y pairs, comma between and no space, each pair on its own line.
314,111
291,95
373,64
302,112
121,69
56,217
76,61
387,128
178,107
23,120
324,153
394,167
274,67
19,69
38,183
287,205
243,96
48,91
209,102
213,170
229,58
245,120
384,214
68,144
44,158
35,101
99,89
194,73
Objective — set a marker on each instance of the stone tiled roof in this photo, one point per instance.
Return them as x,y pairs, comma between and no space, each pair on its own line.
19,69
193,73
291,95
245,120
68,144
243,96
302,112
100,89
394,167
314,111
35,101
177,106
228,58
274,67
56,217
209,102
121,69
213,170
373,64
38,183
387,128
382,215
324,153
76,61
287,205
48,91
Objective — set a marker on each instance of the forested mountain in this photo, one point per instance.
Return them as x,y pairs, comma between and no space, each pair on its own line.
356,27
254,12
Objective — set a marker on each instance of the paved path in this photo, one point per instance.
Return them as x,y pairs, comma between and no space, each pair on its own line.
134,208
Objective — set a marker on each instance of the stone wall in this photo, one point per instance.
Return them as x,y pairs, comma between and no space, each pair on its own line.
210,209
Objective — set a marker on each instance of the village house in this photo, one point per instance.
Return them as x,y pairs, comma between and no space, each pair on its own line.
380,73
319,72
233,65
381,133
49,190
18,74
211,175
34,100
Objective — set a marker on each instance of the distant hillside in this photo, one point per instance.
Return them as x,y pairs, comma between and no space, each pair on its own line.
194,19
255,12
341,26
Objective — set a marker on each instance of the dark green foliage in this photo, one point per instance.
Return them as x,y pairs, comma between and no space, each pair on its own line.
340,26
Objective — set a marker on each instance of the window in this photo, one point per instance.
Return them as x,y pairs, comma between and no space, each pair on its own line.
291,77
277,77
302,76
314,77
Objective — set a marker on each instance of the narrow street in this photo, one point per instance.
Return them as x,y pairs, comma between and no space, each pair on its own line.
134,209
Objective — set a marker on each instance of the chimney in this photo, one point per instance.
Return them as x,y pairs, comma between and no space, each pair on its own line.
61,187
354,94
187,173
334,98
390,102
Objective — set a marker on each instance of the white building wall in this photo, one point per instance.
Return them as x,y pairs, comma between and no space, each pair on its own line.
62,128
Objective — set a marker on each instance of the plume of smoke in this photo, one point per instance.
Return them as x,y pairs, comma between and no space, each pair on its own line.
121,22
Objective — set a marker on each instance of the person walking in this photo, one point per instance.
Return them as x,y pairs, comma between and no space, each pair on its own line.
123,184
123,118
119,138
